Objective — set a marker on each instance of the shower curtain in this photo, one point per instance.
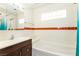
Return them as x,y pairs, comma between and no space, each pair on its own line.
3,23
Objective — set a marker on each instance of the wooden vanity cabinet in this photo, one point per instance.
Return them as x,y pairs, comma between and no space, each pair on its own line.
20,49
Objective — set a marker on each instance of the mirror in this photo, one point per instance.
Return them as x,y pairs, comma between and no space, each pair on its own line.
9,15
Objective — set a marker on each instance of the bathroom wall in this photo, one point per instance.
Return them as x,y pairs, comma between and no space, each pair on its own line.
28,17
4,35
60,42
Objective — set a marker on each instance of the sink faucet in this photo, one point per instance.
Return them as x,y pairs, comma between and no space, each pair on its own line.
12,37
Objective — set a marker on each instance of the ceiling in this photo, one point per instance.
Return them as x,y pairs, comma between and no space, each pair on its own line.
33,5
18,7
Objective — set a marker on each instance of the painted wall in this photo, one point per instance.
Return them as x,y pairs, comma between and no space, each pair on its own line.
61,42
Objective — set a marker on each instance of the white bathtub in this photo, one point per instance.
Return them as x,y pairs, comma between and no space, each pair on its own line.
38,52
43,48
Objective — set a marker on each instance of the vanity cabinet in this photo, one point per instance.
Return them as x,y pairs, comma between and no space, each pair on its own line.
20,49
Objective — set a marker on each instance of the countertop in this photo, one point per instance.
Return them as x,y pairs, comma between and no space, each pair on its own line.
7,43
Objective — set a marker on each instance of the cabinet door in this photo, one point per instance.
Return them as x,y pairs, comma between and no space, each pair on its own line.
29,50
15,53
24,51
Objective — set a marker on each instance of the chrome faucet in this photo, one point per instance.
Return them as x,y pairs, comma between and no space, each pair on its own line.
12,37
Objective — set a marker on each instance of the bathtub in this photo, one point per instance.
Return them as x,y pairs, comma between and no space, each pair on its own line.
38,52
43,48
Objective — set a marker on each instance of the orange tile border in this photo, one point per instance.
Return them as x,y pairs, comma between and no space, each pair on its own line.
48,28
19,29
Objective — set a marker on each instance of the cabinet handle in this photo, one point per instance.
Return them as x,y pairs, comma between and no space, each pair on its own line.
27,50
